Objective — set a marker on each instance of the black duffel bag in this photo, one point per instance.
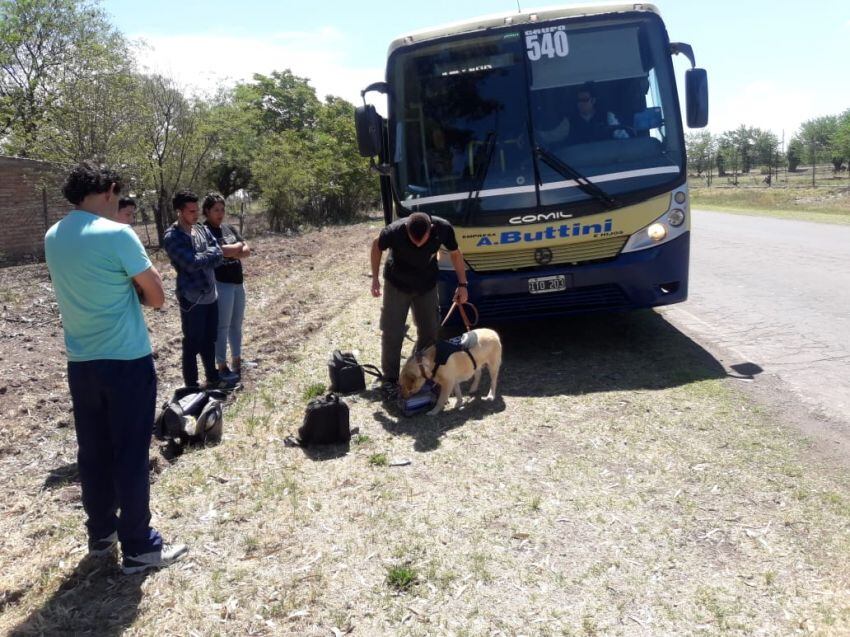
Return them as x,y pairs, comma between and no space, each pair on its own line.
347,375
191,416
325,422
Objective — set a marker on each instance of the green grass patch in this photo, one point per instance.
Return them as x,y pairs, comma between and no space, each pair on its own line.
378,460
401,577
314,390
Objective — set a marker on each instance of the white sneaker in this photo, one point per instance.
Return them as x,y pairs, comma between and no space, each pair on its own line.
169,554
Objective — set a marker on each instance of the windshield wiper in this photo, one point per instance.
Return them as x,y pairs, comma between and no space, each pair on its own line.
565,170
480,176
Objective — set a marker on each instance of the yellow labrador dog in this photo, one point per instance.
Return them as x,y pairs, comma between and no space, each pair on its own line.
449,363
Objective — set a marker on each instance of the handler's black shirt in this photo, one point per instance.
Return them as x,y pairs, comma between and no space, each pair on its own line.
411,269
231,270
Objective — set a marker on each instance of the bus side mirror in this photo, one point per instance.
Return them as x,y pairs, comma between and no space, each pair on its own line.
368,124
696,94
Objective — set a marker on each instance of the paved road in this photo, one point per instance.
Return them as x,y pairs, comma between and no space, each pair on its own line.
775,293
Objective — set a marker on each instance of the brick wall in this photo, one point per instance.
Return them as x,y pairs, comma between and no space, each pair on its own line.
30,202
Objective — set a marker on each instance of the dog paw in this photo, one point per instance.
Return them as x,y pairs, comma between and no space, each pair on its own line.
433,412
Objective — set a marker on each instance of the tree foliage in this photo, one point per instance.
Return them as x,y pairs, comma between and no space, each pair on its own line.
56,57
820,140
308,169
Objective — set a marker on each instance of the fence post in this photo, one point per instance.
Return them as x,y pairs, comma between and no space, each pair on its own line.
44,208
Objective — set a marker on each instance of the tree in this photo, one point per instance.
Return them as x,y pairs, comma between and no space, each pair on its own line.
816,136
794,154
309,170
237,130
841,140
48,49
729,155
282,101
701,148
173,143
766,151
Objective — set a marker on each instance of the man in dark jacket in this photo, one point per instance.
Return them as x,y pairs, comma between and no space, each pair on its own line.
410,279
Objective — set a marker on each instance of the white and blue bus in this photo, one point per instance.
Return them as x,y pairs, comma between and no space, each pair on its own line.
553,141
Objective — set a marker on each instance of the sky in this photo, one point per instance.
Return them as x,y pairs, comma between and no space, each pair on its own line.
771,64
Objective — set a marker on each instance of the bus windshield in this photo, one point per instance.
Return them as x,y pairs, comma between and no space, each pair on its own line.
488,125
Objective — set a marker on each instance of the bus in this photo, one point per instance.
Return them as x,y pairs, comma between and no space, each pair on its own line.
553,142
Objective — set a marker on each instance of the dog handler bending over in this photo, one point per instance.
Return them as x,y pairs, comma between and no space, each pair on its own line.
94,263
410,276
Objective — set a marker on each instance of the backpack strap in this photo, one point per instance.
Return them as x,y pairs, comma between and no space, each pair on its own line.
372,370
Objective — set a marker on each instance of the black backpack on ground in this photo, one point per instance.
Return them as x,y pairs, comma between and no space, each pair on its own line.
191,416
325,422
347,375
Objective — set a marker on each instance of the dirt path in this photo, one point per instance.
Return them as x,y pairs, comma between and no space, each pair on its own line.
621,485
37,444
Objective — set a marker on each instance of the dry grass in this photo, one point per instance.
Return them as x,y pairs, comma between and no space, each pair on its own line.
620,486
828,203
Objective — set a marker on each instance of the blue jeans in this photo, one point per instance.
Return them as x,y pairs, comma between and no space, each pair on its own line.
200,325
114,403
231,311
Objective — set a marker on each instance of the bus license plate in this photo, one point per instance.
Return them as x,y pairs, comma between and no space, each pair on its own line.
544,284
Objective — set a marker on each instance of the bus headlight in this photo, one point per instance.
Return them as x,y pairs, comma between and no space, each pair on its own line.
667,227
656,232
676,217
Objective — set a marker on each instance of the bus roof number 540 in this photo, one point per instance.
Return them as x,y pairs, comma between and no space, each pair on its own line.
550,42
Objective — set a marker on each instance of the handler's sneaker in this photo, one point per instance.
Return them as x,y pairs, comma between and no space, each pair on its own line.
169,554
390,390
103,546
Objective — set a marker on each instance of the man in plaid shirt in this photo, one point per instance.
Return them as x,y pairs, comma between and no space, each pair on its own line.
195,253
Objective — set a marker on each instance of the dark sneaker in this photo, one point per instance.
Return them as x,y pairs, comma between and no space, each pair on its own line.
169,554
390,390
104,546
223,384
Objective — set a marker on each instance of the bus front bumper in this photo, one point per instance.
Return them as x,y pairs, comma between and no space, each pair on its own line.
647,278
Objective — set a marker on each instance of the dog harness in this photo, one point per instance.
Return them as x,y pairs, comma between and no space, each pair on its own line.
446,348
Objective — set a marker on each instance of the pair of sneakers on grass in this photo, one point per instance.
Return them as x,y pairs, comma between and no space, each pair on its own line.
132,564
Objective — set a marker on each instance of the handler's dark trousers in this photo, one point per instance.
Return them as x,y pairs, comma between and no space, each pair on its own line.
114,403
200,329
426,316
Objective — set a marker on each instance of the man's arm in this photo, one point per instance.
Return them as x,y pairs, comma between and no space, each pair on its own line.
461,294
232,250
181,252
375,260
149,285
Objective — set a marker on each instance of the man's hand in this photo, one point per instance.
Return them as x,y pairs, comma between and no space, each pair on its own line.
461,295
376,286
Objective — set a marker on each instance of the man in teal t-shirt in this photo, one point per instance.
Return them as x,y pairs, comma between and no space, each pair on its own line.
102,275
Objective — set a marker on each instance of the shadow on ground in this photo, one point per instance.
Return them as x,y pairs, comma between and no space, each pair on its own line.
94,599
61,476
588,354
572,356
427,430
